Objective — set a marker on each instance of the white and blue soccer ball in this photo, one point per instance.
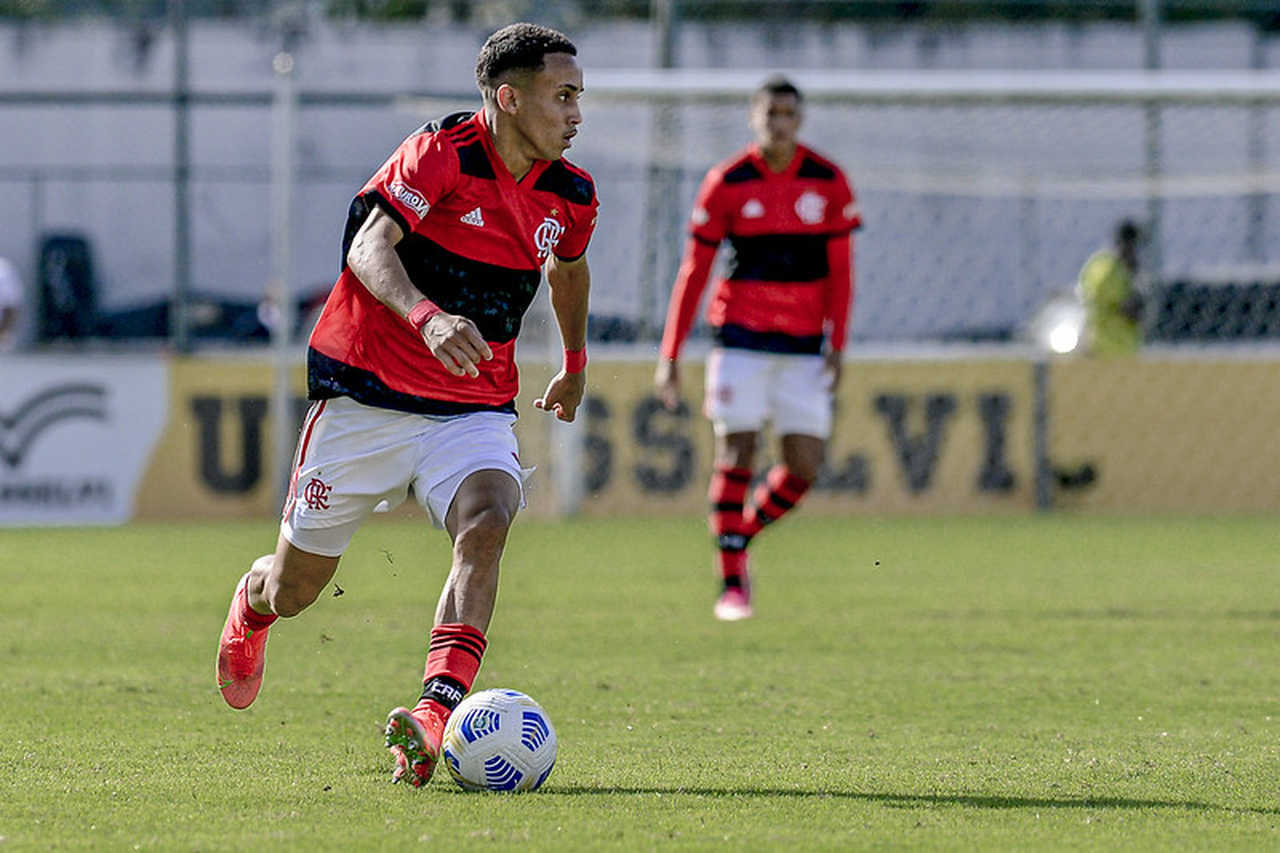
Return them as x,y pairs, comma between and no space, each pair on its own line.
499,740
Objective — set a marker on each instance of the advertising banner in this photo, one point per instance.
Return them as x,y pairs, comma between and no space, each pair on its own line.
1164,434
75,436
909,437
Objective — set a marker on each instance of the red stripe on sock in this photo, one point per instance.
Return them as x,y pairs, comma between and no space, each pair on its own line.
780,483
456,650
255,620
728,488
732,564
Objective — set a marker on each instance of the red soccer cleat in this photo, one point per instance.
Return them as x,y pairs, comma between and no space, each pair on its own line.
242,653
734,604
414,740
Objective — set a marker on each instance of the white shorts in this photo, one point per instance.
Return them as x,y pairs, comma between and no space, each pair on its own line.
746,388
353,460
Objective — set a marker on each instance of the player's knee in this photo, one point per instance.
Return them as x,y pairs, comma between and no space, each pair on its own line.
806,470
486,525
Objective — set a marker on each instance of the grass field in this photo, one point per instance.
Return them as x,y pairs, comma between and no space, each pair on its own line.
1035,683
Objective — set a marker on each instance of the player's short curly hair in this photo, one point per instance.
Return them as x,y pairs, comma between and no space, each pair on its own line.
517,47
777,85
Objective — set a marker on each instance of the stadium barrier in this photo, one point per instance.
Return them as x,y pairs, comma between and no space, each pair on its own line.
106,440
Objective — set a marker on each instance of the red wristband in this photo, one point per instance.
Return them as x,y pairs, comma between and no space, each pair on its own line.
420,313
575,360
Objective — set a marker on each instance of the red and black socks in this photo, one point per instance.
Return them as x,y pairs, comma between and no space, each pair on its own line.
727,495
774,498
453,659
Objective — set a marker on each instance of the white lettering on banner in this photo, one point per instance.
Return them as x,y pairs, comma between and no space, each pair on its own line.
76,436
410,197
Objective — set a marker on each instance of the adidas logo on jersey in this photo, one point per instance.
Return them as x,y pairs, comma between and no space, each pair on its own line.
474,218
753,209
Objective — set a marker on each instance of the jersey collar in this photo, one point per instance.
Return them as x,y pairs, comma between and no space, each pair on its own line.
757,156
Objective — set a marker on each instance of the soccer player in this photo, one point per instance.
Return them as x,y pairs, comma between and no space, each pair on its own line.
411,366
780,318
1112,301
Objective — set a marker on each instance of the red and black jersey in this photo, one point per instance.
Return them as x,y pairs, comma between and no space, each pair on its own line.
475,243
789,280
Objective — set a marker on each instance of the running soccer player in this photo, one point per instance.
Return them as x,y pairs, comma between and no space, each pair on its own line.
780,318
411,366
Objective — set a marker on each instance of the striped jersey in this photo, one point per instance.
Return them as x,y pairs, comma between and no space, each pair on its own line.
475,243
788,283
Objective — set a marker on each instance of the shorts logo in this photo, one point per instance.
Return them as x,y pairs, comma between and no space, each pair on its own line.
811,207
316,494
410,198
546,236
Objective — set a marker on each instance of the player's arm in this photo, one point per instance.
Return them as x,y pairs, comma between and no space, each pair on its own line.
691,281
452,339
846,217
708,226
570,283
838,303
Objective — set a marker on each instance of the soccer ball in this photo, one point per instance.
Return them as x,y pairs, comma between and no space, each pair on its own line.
499,740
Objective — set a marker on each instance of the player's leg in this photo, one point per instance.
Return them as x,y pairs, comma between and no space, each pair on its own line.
787,482
736,404
801,409
336,483
280,584
727,494
474,487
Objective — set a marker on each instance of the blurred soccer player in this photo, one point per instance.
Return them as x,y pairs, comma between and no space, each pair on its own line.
1112,301
780,318
411,366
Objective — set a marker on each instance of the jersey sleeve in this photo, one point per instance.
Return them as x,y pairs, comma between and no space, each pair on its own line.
573,244
838,298
844,215
709,221
417,175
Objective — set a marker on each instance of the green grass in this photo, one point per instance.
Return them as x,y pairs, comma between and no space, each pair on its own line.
976,684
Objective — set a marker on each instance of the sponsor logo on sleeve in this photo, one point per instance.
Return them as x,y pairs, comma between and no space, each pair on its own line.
700,216
409,197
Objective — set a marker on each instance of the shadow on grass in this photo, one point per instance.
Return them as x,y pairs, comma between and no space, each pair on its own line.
907,801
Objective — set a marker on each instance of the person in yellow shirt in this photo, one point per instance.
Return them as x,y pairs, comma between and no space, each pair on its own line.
1109,292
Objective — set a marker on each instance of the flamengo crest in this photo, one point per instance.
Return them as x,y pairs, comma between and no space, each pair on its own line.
811,207
546,236
316,494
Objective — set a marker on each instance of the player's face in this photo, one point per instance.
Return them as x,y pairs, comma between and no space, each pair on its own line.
775,119
549,114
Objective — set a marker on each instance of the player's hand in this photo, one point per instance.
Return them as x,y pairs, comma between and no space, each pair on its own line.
667,381
832,369
563,395
456,342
